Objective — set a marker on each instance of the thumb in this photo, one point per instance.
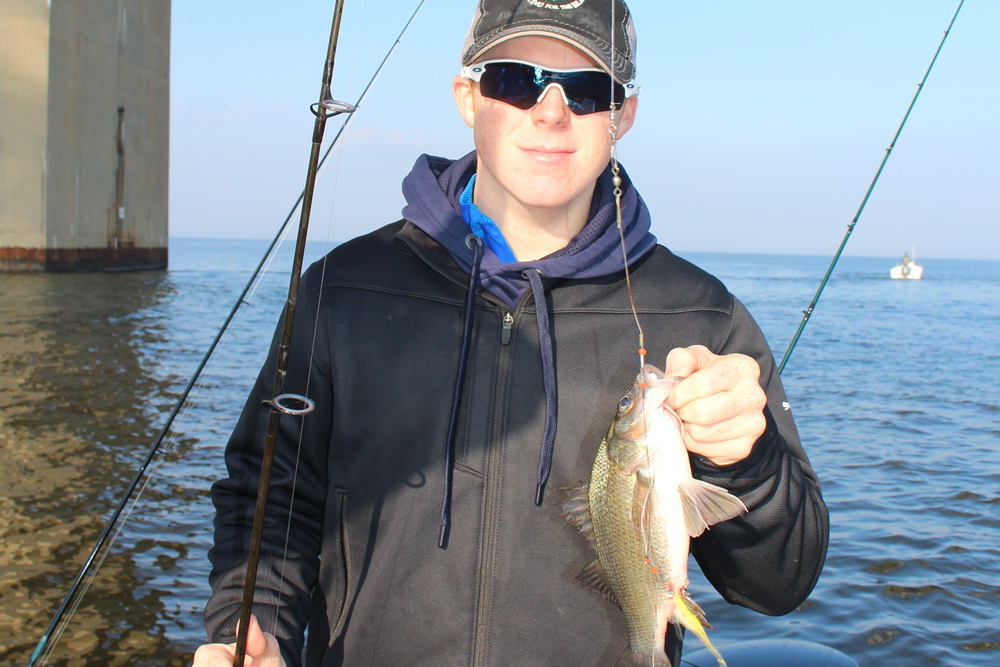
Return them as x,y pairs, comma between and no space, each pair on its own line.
681,362
262,648
257,643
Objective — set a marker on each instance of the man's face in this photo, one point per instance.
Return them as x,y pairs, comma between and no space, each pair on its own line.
544,157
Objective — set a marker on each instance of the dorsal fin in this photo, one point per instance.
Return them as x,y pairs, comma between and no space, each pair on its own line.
576,511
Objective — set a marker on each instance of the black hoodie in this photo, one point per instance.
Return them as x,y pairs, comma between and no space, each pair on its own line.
356,555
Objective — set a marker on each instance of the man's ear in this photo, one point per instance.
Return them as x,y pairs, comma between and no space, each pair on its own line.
461,90
628,115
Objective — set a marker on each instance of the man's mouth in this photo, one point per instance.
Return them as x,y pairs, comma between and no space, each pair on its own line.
548,154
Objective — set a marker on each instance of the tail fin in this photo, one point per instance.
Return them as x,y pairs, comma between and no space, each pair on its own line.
688,614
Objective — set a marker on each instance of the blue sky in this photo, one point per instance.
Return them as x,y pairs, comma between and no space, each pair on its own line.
760,124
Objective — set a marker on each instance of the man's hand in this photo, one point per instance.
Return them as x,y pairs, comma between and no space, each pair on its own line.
262,651
720,402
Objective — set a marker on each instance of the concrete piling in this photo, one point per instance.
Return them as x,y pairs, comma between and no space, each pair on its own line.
84,134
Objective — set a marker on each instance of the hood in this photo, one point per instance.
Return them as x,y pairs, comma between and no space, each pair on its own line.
432,190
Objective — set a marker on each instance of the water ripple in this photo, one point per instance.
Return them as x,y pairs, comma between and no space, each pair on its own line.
901,429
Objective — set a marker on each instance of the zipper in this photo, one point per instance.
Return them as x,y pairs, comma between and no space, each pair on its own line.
508,323
494,461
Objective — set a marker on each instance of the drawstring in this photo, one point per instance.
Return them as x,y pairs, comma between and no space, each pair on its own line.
476,244
534,276
549,379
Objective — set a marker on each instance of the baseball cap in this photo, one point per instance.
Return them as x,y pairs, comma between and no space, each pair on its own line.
585,24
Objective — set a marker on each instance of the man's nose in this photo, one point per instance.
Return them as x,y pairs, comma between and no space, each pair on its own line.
552,108
557,86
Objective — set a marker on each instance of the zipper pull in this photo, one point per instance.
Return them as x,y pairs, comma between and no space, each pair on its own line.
508,322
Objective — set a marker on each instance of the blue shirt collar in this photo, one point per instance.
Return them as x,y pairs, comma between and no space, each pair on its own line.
483,226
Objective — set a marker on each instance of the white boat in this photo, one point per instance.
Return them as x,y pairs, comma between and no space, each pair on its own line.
907,269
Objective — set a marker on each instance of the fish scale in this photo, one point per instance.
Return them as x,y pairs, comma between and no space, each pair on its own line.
610,494
640,510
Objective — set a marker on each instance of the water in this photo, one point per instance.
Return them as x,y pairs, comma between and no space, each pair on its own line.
892,387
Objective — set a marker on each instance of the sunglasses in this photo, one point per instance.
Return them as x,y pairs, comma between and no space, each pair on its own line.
523,85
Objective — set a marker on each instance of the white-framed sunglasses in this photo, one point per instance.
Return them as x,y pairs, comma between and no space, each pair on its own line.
523,85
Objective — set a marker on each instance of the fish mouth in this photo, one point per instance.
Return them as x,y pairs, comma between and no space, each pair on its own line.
631,449
656,387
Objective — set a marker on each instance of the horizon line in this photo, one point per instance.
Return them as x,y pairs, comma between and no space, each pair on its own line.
676,251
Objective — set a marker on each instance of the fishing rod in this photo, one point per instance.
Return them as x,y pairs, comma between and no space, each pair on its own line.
77,588
807,313
282,403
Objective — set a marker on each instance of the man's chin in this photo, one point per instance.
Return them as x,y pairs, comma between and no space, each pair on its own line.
545,202
552,189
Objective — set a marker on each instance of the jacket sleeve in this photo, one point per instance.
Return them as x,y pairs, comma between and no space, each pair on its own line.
287,573
770,558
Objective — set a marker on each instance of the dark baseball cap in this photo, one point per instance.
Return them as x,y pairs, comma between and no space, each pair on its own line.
585,24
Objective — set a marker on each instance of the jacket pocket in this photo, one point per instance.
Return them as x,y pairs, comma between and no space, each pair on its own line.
330,599
337,613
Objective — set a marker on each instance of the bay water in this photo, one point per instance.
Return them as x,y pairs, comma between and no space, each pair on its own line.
893,386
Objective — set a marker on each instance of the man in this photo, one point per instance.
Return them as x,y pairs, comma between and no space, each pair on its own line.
426,525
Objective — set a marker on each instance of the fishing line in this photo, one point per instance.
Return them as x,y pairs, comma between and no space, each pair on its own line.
616,180
283,235
50,637
807,313
151,465
150,474
324,109
312,347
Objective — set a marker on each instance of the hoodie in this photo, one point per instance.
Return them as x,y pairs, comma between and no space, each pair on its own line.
432,190
354,495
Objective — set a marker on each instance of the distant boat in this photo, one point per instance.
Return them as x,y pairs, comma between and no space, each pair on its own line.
907,269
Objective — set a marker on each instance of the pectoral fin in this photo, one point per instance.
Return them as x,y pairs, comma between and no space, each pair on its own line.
706,505
641,505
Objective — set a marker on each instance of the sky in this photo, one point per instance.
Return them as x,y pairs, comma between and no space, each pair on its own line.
760,125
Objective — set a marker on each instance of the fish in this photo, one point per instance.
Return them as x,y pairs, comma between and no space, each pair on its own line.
639,511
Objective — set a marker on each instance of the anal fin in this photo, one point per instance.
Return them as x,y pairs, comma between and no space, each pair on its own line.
593,577
690,615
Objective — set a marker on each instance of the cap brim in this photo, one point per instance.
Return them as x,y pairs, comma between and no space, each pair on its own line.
552,35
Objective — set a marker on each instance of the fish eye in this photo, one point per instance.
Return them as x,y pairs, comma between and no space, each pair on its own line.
624,403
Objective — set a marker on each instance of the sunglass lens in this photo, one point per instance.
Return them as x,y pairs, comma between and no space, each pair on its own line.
520,85
512,83
587,91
